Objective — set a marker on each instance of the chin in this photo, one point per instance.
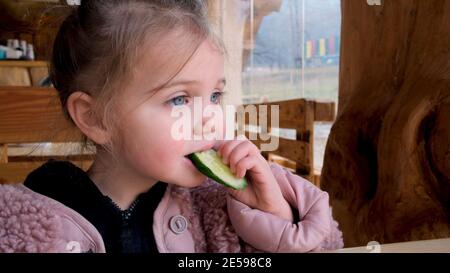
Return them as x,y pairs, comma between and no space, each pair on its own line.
195,182
190,181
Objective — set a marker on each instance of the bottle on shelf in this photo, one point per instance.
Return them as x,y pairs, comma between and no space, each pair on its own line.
3,50
17,50
23,46
15,44
10,43
30,52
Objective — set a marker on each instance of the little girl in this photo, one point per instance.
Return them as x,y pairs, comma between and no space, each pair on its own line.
121,67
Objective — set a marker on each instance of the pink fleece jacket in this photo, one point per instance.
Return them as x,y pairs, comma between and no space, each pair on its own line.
213,221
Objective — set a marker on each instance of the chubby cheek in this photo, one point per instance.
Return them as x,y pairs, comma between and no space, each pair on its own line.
150,150
149,146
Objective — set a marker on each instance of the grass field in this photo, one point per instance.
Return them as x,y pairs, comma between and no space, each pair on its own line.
321,83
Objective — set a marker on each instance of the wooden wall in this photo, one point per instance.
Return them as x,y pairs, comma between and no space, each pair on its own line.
387,161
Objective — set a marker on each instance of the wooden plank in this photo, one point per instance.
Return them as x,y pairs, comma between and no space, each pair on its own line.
250,114
293,167
297,151
324,111
299,115
74,157
316,180
16,172
33,115
14,76
3,153
37,74
48,149
310,107
23,63
282,161
293,114
423,246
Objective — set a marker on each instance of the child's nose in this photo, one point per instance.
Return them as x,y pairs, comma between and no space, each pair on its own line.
206,124
204,127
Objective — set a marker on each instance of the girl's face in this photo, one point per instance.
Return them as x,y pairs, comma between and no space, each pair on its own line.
147,145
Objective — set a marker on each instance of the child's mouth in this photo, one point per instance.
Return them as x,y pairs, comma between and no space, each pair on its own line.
203,149
189,162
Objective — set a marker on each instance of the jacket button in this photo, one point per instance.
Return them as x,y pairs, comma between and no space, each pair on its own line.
178,224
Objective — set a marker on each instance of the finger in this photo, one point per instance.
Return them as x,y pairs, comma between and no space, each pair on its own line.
222,144
237,194
227,149
241,137
240,151
231,191
218,145
245,164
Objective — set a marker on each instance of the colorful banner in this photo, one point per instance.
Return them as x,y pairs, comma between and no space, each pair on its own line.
322,47
309,49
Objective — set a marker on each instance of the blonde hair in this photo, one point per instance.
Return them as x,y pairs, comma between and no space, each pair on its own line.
97,45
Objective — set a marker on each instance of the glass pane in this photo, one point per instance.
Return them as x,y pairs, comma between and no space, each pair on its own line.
322,46
272,70
293,50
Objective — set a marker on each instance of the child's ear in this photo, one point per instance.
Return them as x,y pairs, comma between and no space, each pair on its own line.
81,108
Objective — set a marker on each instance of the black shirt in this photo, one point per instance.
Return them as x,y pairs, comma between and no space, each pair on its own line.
128,231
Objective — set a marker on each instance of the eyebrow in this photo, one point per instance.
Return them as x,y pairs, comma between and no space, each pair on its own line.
185,82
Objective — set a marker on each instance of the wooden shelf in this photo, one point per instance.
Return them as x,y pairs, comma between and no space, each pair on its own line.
21,63
22,73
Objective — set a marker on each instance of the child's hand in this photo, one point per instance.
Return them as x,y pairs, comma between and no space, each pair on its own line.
263,192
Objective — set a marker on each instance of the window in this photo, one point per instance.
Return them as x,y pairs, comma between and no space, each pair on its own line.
290,50
293,50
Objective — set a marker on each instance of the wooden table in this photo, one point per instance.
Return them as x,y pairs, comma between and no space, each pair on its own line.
426,246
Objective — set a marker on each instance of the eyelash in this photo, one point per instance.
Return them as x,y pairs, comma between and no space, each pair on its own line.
172,101
220,96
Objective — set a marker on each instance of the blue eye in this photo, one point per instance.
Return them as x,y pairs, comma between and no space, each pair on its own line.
178,101
216,97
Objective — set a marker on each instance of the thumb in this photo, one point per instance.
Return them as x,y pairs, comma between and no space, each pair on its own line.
232,192
218,144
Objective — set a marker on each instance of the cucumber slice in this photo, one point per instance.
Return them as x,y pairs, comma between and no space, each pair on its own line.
210,164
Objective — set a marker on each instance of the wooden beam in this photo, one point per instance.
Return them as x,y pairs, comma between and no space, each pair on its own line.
3,153
423,246
24,64
298,114
16,172
30,115
324,111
